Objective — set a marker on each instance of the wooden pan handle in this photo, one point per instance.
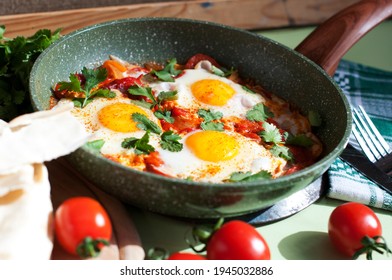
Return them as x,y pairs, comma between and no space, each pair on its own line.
328,43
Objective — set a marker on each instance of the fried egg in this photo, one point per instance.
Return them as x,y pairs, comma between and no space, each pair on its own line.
199,88
110,119
212,156
186,148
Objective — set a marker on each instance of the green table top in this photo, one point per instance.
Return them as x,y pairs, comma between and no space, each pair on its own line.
302,236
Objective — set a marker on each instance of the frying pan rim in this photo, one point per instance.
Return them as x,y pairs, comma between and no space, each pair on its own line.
278,182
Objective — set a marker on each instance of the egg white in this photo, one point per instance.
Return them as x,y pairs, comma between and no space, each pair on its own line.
88,116
238,105
251,157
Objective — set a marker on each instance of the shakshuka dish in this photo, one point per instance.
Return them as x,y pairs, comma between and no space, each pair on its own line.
195,121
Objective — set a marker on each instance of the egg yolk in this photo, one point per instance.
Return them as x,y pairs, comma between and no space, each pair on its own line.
212,92
213,146
118,117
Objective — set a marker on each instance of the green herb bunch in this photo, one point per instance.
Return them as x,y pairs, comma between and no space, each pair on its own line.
17,57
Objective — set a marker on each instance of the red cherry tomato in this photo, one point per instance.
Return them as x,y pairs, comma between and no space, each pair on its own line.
185,256
349,223
237,240
82,226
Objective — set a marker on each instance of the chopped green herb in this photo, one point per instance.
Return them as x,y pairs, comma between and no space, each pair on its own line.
93,77
217,126
141,145
73,84
17,57
209,120
143,104
281,151
271,133
82,102
209,115
167,95
168,72
95,145
164,115
170,141
259,113
314,118
248,176
146,124
142,91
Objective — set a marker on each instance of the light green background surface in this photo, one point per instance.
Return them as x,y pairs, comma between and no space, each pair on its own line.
302,236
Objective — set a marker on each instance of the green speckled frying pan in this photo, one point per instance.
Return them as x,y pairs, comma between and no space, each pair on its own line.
280,70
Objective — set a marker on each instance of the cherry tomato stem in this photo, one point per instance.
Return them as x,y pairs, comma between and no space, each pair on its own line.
354,229
82,226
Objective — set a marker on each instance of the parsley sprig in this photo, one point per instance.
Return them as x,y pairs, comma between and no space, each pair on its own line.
145,124
141,145
17,57
248,176
143,91
271,134
168,139
92,78
210,117
168,72
163,95
259,113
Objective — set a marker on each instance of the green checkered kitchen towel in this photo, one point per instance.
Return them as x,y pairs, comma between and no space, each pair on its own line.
371,88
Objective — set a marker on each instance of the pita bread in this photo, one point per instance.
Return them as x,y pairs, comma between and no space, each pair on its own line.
40,137
25,216
25,204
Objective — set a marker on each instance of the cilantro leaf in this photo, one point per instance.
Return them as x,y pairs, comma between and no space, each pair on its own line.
166,95
143,104
299,140
209,115
104,92
95,145
164,115
259,113
209,120
271,133
142,91
248,176
168,72
217,126
146,124
93,77
170,141
73,84
141,145
281,151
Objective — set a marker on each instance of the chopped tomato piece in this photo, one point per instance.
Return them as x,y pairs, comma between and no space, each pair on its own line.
123,84
153,162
